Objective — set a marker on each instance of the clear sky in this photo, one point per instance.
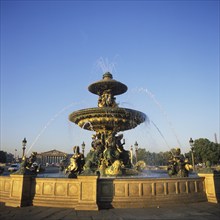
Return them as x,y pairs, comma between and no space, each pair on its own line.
166,52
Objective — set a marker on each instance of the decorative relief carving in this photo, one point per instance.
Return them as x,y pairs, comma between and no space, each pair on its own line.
191,186
134,189
73,189
120,189
7,186
159,188
171,188
16,188
147,189
48,188
182,187
60,189
87,191
199,186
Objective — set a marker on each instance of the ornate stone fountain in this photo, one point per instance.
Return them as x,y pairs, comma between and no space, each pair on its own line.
107,155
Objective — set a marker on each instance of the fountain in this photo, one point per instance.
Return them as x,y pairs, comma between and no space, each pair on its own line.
107,156
106,178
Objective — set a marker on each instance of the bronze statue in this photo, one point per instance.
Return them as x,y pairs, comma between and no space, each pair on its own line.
106,99
77,162
29,165
178,165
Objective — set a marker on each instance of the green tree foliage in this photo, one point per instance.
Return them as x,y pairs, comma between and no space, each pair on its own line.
205,150
189,156
142,154
153,159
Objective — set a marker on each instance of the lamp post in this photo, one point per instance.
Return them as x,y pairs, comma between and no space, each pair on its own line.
24,142
191,142
15,154
136,150
83,147
131,154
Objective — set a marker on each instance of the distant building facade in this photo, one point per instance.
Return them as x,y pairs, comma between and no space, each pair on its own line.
51,157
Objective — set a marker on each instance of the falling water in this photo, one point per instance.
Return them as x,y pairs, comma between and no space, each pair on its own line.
160,134
89,123
162,110
48,123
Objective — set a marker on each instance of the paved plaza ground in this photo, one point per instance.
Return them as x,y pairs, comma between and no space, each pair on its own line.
192,211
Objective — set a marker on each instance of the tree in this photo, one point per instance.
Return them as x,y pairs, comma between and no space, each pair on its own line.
205,150
153,159
142,155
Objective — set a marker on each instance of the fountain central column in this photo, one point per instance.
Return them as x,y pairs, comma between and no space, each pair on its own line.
107,155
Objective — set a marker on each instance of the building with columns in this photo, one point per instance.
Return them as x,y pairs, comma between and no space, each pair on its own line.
51,157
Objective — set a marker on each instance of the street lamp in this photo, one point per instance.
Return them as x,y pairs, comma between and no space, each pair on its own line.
191,142
83,147
15,154
136,150
24,142
131,154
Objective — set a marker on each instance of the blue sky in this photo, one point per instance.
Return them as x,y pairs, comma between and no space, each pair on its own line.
166,52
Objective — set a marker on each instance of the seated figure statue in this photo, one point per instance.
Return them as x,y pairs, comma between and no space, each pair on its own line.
30,162
27,165
124,154
178,165
77,162
94,156
106,99
111,154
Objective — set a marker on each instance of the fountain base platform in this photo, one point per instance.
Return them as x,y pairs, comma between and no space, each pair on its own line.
94,193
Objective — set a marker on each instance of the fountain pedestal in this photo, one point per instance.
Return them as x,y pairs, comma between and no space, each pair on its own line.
87,198
212,186
20,190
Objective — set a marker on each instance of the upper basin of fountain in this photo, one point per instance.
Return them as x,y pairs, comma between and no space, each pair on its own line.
107,119
106,83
